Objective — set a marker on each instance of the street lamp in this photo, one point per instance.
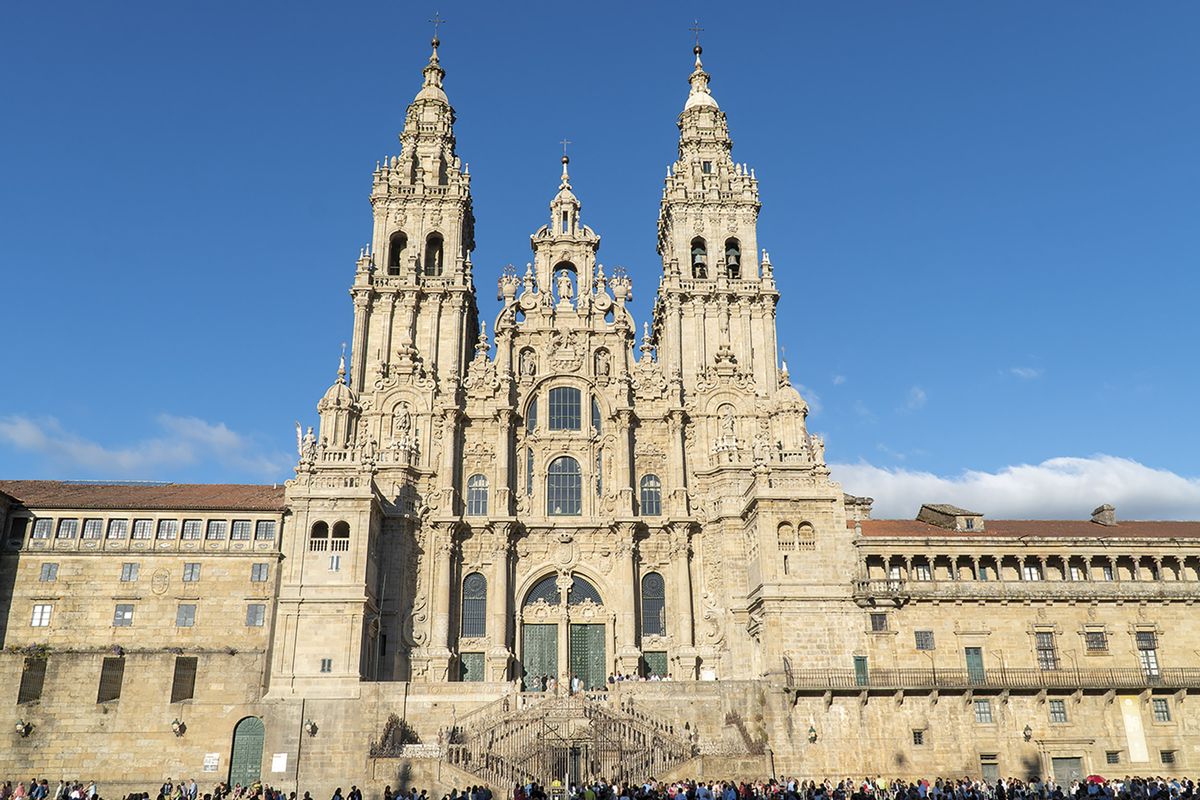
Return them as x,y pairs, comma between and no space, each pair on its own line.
178,727
310,728
23,728
1028,733
812,735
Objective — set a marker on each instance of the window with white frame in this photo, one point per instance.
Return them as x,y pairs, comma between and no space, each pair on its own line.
41,615
256,615
68,528
93,529
1058,711
42,528
921,572
168,528
264,530
1161,708
142,528
216,530
118,528
240,532
477,496
1031,572
983,711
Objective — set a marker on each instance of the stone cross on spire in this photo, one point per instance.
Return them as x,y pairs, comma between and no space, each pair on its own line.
696,29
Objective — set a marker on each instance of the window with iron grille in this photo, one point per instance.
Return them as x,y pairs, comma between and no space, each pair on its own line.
654,605
68,528
240,531
42,528
129,572
192,529
918,736
185,615
651,496
1047,653
564,487
216,530
264,530
477,496
256,615
879,622
118,528
183,684
326,665
1058,711
143,528
983,711
474,606
168,528
33,678
1167,756
1162,709
924,640
49,573
1112,757
1096,641
259,573
93,529
123,615
191,572
112,674
565,404
1146,640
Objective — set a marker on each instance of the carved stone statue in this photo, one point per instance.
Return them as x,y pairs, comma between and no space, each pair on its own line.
308,449
565,287
528,363
818,448
602,364
402,422
762,448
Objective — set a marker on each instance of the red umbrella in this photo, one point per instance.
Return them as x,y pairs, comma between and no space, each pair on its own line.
1095,779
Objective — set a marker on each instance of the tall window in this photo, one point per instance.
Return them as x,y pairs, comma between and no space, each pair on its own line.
112,673
41,615
1047,653
433,254
33,677
191,572
983,711
1147,646
654,605
396,246
733,258
256,614
183,683
477,496
564,487
699,258
1058,711
529,471
49,572
651,496
474,606
531,414
595,414
259,572
1162,709
565,408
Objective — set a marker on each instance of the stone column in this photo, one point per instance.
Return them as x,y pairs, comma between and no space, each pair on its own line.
358,356
499,603
623,484
503,494
432,663
677,492
626,581
681,552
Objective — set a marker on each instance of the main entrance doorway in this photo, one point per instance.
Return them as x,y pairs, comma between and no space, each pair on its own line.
563,633
587,654
540,648
245,759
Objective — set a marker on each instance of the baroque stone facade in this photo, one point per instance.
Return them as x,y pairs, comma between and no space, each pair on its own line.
551,492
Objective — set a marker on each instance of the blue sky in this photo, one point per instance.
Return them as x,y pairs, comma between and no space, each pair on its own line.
983,219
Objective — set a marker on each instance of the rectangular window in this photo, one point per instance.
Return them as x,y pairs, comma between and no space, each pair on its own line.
68,528
123,616
93,528
42,528
1031,572
216,530
256,615
142,528
264,530
985,572
1167,756
924,640
183,685
49,573
1107,572
565,402
879,622
1047,653
112,674
240,531
1162,709
529,471
16,533
335,563
1147,647
921,572
706,167
129,572
259,573
895,572
33,678
168,528
1096,641
1112,757
41,615
983,711
1077,573
1146,640
118,528
185,615
918,738
192,529
326,665
191,572
1058,711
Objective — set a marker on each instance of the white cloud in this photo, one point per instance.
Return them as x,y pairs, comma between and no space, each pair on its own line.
812,398
1058,488
1026,373
916,398
838,380
185,441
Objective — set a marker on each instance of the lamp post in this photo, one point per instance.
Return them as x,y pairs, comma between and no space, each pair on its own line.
812,735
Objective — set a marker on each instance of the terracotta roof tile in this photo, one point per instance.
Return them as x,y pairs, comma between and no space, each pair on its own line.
1077,529
166,496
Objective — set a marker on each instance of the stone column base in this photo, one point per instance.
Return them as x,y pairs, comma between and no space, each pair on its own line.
499,662
431,664
629,660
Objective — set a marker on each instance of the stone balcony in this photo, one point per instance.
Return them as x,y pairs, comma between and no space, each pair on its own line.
898,592
1021,678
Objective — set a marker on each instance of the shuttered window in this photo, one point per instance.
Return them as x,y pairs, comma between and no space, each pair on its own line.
183,687
112,673
32,679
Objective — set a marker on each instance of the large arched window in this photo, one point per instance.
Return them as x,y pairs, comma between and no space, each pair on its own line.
733,258
396,246
474,606
318,537
433,254
477,496
340,540
546,590
654,605
565,411
531,414
651,496
564,488
581,590
699,258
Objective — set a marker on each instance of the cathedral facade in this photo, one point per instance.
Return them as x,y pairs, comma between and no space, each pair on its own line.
557,493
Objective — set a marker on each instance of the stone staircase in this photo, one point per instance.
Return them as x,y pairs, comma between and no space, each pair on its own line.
546,737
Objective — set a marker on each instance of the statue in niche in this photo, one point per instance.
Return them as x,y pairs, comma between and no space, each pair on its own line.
402,423
727,423
565,288
762,448
528,363
602,364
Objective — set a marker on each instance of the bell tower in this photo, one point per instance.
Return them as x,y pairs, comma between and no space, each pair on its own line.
717,299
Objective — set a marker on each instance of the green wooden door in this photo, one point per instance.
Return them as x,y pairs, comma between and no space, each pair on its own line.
975,670
861,676
655,663
539,654
245,761
587,654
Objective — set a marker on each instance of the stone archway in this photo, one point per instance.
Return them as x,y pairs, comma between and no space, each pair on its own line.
565,629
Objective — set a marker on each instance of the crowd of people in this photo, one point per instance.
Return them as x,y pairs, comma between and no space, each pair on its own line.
966,788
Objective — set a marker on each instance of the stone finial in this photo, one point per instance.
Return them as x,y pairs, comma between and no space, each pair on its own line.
1104,515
